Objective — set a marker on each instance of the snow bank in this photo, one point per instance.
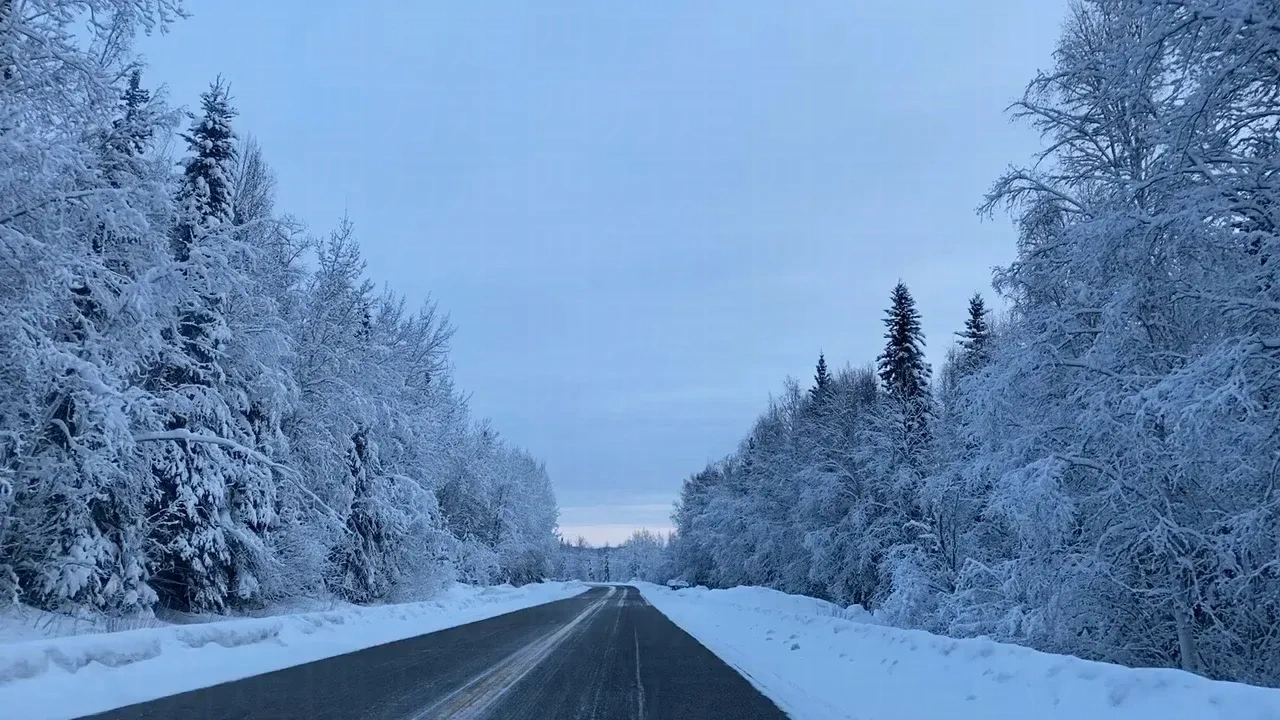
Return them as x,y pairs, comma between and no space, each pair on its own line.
21,623
72,676
818,660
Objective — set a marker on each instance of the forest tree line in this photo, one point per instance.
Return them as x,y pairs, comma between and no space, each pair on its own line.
1095,473
642,556
203,406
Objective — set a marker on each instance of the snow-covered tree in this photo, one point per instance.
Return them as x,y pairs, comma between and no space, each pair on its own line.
73,317
189,414
642,556
906,377
1140,383
214,503
363,559
821,380
1097,476
976,335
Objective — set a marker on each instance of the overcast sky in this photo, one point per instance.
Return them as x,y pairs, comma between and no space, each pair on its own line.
641,216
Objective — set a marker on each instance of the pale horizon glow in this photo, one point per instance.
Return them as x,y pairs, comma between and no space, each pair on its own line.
582,521
611,535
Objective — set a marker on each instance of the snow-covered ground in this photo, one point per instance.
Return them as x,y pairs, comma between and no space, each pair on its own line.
65,677
819,661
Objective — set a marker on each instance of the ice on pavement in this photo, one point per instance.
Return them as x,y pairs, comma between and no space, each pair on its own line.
817,660
57,678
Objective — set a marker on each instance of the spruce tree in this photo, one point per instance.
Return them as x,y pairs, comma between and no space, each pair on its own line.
196,527
205,207
206,197
361,568
125,163
902,367
82,543
903,370
131,132
821,379
976,335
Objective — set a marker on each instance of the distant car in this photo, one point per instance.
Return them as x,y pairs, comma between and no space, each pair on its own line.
677,584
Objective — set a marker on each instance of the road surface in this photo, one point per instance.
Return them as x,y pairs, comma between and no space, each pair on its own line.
603,655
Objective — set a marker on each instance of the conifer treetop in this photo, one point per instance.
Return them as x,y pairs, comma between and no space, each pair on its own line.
206,196
976,334
901,366
821,378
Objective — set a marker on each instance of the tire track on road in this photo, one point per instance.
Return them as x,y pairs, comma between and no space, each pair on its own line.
566,660
478,696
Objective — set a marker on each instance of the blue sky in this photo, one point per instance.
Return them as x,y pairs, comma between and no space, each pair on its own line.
641,216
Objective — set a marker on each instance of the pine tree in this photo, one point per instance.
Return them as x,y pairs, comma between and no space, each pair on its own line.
362,570
159,339
81,542
976,335
821,380
205,207
902,367
206,198
130,134
904,372
197,480
126,162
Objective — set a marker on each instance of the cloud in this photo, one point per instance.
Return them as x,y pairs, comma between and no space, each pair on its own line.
638,250
649,514
613,524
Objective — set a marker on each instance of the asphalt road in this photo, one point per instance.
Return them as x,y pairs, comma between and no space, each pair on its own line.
603,655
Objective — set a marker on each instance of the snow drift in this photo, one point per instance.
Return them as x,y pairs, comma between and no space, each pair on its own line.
72,676
819,660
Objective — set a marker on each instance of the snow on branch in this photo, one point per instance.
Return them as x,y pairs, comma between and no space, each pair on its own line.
290,473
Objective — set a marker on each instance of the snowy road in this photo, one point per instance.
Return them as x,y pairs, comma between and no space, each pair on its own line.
604,655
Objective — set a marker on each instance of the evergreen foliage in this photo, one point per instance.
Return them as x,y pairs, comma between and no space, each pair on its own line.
1095,474
191,415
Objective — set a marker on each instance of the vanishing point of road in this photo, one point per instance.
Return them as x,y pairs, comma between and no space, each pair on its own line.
603,655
